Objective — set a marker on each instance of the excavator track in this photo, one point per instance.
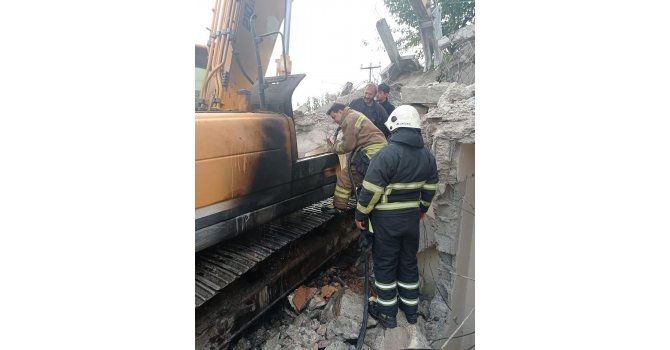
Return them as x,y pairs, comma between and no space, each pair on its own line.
238,280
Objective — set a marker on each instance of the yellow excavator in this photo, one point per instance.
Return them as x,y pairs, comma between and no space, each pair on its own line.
258,228
247,170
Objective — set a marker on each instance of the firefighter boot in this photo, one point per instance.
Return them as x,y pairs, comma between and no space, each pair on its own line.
411,318
330,209
386,320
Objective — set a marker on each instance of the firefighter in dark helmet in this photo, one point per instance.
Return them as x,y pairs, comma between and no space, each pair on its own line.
398,188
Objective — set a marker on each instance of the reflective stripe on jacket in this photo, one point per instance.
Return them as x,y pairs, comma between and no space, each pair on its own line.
402,177
358,131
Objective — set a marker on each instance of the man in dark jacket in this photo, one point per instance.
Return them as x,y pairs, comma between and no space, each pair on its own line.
383,98
397,191
373,110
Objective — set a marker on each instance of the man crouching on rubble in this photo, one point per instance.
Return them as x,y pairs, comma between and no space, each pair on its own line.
358,132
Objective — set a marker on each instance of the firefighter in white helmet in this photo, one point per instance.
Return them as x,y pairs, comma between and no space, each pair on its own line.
397,190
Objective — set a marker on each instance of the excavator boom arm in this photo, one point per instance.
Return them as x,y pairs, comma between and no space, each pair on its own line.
232,66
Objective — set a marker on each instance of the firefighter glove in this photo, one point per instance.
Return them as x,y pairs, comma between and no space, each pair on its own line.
365,239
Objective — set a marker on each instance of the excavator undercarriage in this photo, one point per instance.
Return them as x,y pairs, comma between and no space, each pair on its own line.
236,282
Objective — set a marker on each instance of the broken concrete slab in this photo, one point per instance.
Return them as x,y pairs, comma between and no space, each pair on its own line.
417,336
344,327
303,336
337,346
300,298
351,307
315,314
408,63
428,95
416,79
464,34
374,338
399,64
396,338
321,330
302,320
316,302
332,307
272,343
404,336
327,291
457,92
315,324
328,341
455,106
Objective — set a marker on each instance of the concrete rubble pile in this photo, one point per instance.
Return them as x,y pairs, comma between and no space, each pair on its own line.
329,317
335,326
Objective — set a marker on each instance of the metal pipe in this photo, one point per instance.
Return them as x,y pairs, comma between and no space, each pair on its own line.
257,40
284,58
287,26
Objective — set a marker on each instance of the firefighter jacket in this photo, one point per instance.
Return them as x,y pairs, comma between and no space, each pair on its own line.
401,179
358,131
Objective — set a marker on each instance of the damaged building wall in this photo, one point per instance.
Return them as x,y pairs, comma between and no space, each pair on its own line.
464,286
449,131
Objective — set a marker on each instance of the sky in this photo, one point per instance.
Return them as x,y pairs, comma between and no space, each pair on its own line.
327,42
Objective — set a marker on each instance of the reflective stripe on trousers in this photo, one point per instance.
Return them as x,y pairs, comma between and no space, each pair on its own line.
396,242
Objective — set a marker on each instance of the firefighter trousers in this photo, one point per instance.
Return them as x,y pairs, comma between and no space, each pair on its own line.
344,186
396,243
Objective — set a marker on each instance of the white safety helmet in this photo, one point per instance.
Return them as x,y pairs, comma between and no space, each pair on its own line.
404,116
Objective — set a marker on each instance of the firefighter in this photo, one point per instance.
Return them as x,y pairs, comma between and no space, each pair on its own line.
396,193
358,132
